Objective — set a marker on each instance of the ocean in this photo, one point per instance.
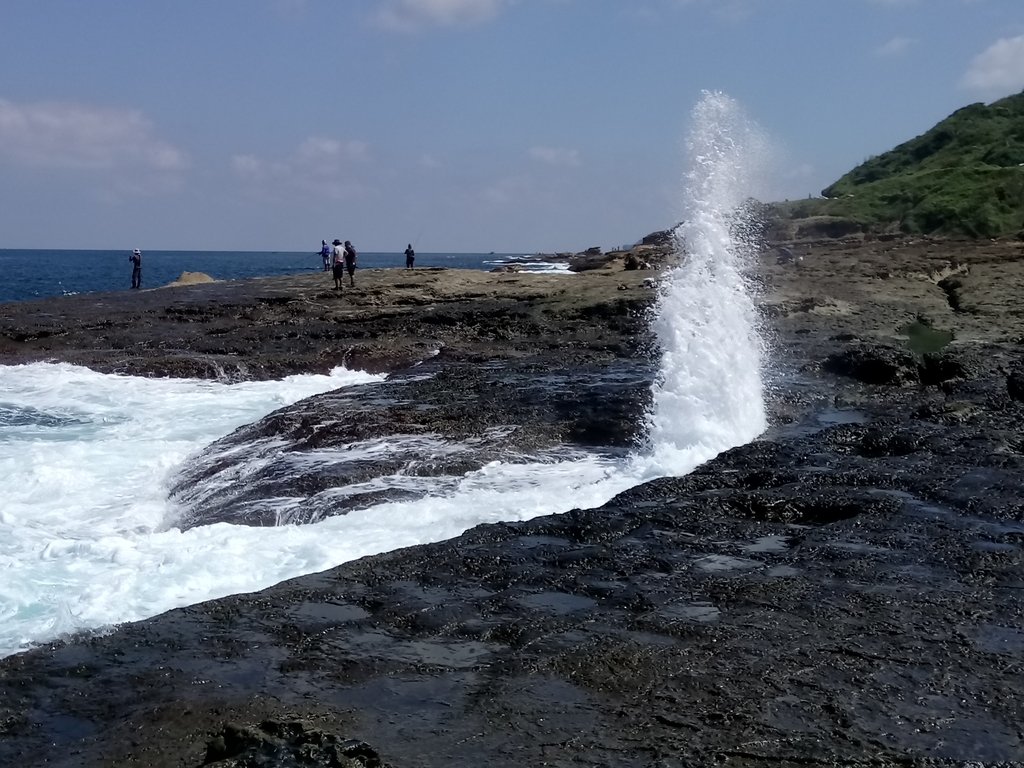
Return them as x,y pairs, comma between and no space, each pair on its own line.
87,528
38,274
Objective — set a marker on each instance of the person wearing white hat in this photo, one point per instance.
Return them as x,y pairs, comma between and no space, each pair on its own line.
136,260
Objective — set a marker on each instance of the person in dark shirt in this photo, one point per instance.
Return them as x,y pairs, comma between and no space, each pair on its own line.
410,256
136,260
350,263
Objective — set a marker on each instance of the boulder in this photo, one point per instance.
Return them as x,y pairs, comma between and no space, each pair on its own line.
661,238
1015,383
871,364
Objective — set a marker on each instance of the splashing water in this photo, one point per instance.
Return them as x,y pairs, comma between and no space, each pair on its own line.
708,394
87,459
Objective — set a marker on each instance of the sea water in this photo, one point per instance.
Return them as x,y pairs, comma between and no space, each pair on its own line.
39,273
87,530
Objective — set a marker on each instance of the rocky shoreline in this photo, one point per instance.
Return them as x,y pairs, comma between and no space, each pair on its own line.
271,327
846,590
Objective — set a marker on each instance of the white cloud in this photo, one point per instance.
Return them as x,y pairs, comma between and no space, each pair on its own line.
555,156
247,165
81,137
998,70
319,165
325,156
408,15
895,46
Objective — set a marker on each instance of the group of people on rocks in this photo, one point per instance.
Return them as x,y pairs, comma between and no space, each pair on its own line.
339,258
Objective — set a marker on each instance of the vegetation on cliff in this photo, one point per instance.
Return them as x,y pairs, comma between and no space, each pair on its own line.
964,176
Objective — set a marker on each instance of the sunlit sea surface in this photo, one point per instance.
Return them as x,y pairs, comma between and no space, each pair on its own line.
37,274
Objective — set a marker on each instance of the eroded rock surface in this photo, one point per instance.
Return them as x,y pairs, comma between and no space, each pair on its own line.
846,590
272,327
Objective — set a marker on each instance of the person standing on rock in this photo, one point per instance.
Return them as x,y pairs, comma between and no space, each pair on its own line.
410,256
350,263
136,260
325,254
338,264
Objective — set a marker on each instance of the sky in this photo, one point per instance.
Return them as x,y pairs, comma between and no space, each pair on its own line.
455,125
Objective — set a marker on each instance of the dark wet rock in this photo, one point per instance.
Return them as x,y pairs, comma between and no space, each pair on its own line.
292,744
588,262
874,365
844,591
439,421
876,440
664,238
937,368
787,602
1015,384
272,327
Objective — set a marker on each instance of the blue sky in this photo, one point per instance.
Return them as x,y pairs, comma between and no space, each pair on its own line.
459,125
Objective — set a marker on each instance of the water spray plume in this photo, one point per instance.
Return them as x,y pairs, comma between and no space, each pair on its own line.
708,393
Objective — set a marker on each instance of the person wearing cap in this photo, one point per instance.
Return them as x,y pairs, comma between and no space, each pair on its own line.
136,260
325,254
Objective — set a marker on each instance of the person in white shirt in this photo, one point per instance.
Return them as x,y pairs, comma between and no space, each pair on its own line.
338,264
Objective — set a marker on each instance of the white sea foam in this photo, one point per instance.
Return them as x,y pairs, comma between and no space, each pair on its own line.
86,536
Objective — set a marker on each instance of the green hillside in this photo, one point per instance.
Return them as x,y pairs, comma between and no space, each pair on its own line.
965,176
